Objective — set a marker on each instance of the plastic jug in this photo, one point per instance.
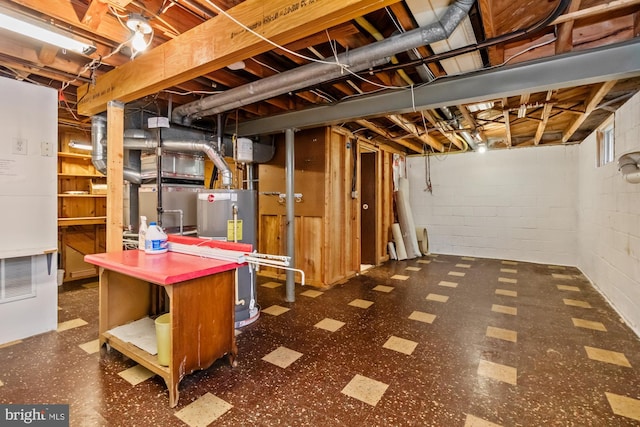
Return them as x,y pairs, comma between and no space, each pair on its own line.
155,240
142,231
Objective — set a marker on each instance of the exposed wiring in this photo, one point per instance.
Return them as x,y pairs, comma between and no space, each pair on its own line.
415,51
193,92
156,15
424,122
427,174
504,38
436,78
355,95
322,95
18,76
382,86
335,54
115,13
274,44
68,107
266,65
524,51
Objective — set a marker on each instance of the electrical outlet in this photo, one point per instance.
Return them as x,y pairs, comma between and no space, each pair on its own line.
19,146
46,149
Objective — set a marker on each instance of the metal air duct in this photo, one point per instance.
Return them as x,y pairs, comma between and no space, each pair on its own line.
316,73
99,150
138,139
185,145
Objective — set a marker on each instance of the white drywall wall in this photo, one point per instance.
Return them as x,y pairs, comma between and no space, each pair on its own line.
609,219
29,208
511,204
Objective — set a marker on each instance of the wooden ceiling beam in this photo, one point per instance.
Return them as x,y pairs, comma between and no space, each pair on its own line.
416,131
417,148
596,95
471,121
28,55
95,12
447,133
595,10
496,52
340,32
546,113
522,108
564,40
69,12
217,43
407,22
47,54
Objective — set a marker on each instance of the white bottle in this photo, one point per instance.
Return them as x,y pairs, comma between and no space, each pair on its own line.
155,240
142,232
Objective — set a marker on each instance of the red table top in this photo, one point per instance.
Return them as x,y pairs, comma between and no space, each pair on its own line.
161,269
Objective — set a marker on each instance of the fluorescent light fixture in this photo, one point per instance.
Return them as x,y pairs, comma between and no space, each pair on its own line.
80,145
39,32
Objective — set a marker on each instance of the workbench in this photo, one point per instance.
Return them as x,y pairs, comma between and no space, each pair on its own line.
200,297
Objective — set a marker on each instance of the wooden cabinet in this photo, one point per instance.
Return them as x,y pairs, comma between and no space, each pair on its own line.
201,306
82,207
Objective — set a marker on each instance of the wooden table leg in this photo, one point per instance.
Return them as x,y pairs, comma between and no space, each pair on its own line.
174,394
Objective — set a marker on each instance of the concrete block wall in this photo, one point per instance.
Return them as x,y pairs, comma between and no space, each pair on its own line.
609,219
518,204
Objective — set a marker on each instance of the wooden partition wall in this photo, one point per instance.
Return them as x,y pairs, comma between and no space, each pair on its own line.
327,218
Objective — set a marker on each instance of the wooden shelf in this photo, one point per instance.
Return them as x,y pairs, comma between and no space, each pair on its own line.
149,361
90,220
81,175
82,195
74,155
81,217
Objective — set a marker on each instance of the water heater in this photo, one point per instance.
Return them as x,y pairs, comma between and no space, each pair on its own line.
230,215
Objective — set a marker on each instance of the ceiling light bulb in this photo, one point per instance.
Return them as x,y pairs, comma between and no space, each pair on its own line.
482,148
138,42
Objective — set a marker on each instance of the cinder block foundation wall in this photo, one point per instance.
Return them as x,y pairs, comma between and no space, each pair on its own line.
517,204
609,219
543,204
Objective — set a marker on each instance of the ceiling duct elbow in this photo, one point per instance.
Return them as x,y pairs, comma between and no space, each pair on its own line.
209,149
139,139
98,150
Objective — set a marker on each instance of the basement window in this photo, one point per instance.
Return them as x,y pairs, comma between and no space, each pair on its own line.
606,143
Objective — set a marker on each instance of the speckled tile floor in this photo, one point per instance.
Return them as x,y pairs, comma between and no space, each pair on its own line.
409,343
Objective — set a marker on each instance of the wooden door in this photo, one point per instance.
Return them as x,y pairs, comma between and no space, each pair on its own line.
368,203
